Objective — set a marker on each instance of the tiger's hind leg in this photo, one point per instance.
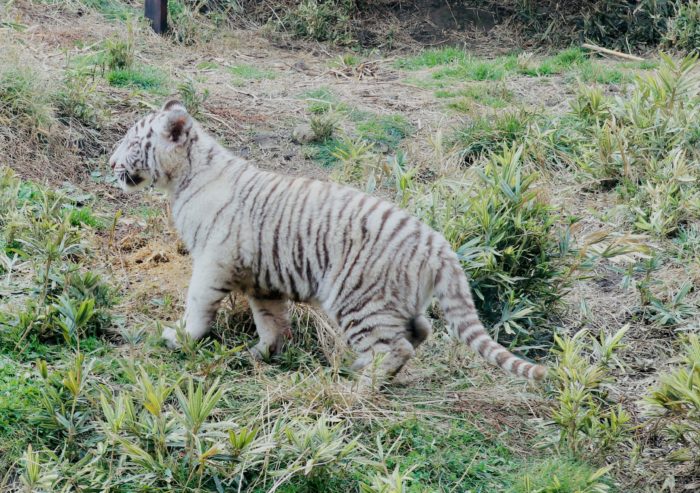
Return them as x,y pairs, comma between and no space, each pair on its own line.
391,359
386,345
272,321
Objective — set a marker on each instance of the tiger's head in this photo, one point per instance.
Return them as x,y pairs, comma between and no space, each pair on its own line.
153,150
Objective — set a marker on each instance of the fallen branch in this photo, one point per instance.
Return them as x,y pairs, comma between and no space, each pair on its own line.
607,51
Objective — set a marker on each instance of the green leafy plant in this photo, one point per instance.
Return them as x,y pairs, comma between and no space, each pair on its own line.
684,29
323,126
484,135
120,53
675,403
590,425
192,98
24,100
321,20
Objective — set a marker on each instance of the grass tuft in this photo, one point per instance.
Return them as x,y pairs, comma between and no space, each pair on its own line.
145,78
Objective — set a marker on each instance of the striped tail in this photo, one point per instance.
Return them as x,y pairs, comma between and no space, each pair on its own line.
454,295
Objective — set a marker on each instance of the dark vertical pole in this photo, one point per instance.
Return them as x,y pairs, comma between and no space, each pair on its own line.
157,12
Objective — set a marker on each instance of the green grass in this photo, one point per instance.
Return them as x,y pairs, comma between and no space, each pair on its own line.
112,9
643,65
85,216
476,69
559,475
250,72
320,100
207,66
389,130
145,78
484,94
432,58
448,455
488,134
18,393
599,73
324,152
452,64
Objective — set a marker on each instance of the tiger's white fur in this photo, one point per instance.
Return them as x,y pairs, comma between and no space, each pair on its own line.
371,266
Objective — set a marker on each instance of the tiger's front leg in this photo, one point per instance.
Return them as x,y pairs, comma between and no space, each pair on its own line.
272,322
208,286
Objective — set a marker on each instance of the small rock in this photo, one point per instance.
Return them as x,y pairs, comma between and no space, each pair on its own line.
300,66
265,140
303,134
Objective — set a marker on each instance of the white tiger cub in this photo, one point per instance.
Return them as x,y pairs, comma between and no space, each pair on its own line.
371,266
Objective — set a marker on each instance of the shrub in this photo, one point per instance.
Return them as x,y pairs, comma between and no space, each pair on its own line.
321,20
643,141
615,23
684,29
505,236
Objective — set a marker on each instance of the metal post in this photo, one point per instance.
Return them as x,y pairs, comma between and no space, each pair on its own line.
157,12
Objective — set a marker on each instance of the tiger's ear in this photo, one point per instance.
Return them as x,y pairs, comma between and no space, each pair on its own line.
178,124
173,104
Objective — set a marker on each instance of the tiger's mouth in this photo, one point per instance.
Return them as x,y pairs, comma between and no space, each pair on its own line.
131,181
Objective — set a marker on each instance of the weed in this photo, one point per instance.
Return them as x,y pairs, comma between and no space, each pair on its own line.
489,95
111,9
323,126
84,216
345,61
119,53
192,98
594,72
187,25
562,476
479,70
322,100
358,161
433,58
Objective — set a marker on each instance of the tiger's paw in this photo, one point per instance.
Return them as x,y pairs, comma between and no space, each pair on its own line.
169,335
262,352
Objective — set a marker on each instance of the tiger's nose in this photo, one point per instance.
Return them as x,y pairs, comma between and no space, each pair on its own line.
112,163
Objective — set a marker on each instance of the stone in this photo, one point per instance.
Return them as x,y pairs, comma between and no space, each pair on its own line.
303,134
